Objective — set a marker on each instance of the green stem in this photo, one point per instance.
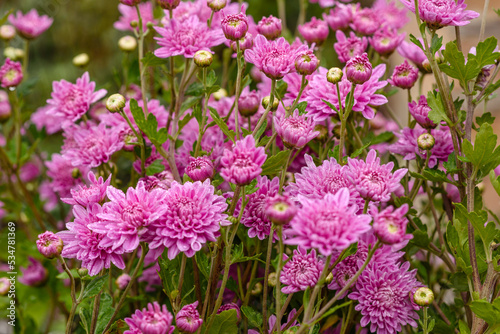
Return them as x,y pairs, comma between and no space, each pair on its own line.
285,168
238,88
425,328
204,115
278,274
312,302
14,101
266,276
26,57
266,112
181,280
365,208
303,85
74,301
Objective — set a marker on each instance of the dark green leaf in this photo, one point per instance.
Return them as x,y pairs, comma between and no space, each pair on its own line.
275,163
462,326
485,52
437,112
195,89
225,323
155,168
222,125
483,154
334,108
94,287
421,239
486,311
138,114
261,130
495,182
456,67
211,78
254,317
415,41
302,107
281,87
334,309
436,43
151,60
105,312
485,118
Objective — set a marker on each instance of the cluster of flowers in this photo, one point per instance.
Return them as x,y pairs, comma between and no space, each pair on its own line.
323,209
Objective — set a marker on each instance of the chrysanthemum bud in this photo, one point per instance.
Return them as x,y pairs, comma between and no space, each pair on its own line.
427,65
5,108
257,289
122,281
134,23
11,74
216,5
235,26
306,63
404,76
220,94
81,60
423,296
188,319
358,69
329,278
323,132
245,43
248,104
4,286
7,32
270,27
130,3
272,280
203,58
266,100
75,173
334,75
49,245
168,4
426,141
115,103
200,168
82,272
13,53
127,43
280,209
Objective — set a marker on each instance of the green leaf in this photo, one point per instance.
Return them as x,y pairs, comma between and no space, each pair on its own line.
281,87
456,67
254,317
462,326
211,78
85,318
151,60
483,154
485,118
203,263
138,114
415,41
302,107
437,112
436,43
155,168
94,287
452,237
275,163
225,323
64,275
237,255
333,310
195,89
105,312
334,108
261,129
495,182
4,18
486,311
485,52
222,125
420,239
451,164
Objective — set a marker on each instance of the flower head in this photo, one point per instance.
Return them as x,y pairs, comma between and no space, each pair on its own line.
243,163
404,76
7,32
34,274
306,63
270,27
413,53
365,21
130,3
122,281
248,104
11,73
420,111
274,58
314,31
30,25
129,14
188,319
389,225
71,101
153,319
86,195
295,131
339,17
301,271
200,168
442,13
383,296
186,37
49,244
193,215
280,209
358,69
386,40
168,4
348,47
329,224
235,26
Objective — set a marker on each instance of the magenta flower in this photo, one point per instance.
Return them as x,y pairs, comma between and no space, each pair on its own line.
420,111
365,21
280,209
270,27
407,145
386,40
274,58
30,25
339,17
5,108
186,37
84,244
235,26
314,31
231,306
442,13
306,63
60,170
34,274
373,181
130,3
358,69
49,244
404,76
329,224
71,101
248,103
193,215
254,216
390,14
200,168
348,47
296,130
153,319
301,271
129,14
91,145
243,163
188,319
413,53
43,119
389,225
122,281
86,195
383,296
11,73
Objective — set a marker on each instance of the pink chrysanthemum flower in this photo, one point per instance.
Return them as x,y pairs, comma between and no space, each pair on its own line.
404,76
254,216
420,111
43,119
339,17
348,47
60,170
301,271
329,224
365,96
358,69
83,244
49,244
442,13
413,53
92,145
200,168
34,274
389,225
186,37
280,209
315,31
235,26
407,145
129,14
86,195
274,58
153,319
71,101
127,217
390,14
11,73
386,40
122,281
193,216
365,21
314,182
383,296
243,163
30,25
295,131
188,319
373,181
270,27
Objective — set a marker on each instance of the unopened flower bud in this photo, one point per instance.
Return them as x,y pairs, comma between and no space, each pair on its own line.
81,60
75,173
334,75
203,58
248,104
4,286
82,272
270,27
329,278
306,63
134,24
426,141
220,94
423,296
115,103
216,5
168,4
358,69
130,3
404,76
11,74
280,209
245,43
200,168
427,65
13,53
49,245
272,280
235,26
127,43
7,32
257,289
323,132
266,100
122,281
188,319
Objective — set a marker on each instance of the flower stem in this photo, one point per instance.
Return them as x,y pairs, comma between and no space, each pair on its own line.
266,275
317,288
201,131
263,118
278,273
303,85
74,301
238,88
